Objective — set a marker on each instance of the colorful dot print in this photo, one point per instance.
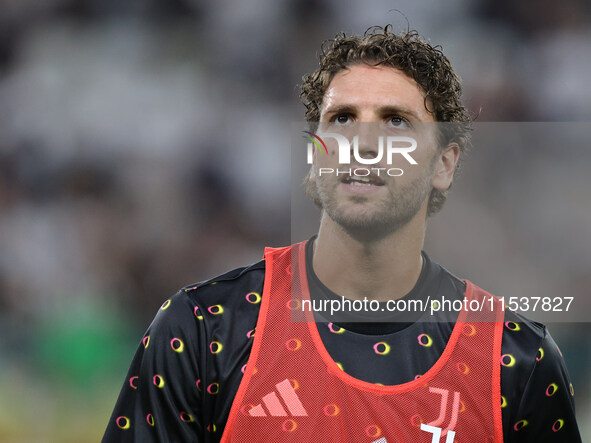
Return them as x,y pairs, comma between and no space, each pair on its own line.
294,305
373,431
462,406
551,389
293,344
416,420
213,388
423,342
512,326
557,425
253,298
463,368
520,425
158,381
123,422
469,330
289,425
216,309
186,417
197,313
216,347
335,329
507,360
381,348
177,345
331,410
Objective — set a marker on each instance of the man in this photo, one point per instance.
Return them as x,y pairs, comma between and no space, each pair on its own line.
230,359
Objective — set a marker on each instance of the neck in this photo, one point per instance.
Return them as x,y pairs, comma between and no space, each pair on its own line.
382,269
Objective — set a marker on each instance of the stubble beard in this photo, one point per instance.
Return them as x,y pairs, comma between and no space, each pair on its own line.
369,221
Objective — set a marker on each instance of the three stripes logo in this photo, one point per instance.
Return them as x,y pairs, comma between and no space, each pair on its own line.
275,407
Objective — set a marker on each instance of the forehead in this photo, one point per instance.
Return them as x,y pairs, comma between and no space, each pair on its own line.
367,88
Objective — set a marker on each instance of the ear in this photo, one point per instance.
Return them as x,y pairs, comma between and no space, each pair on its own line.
445,167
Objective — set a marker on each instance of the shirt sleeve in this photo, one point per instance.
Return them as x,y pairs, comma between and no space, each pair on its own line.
160,398
546,411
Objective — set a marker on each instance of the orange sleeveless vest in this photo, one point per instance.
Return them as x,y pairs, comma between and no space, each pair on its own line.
292,390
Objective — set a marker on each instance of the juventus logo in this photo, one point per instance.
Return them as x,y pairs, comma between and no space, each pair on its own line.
437,434
434,427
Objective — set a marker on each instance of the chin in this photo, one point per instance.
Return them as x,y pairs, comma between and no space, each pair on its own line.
371,223
366,227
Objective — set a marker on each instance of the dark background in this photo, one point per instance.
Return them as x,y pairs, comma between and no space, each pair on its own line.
143,147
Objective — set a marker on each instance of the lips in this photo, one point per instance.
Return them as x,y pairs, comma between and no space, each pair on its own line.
367,180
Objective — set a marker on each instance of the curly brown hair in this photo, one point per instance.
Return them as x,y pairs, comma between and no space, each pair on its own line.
419,60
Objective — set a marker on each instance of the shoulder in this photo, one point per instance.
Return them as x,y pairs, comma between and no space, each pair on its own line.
236,276
529,348
522,337
226,287
524,341
212,297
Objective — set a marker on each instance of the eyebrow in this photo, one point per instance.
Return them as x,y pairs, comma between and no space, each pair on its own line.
382,110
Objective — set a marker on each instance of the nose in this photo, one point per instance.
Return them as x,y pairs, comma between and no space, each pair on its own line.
366,145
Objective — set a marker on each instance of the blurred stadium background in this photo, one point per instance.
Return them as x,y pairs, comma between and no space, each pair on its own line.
143,147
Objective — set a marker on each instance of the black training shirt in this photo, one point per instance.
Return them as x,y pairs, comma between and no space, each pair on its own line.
185,394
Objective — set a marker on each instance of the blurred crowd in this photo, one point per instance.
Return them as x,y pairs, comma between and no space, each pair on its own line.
143,147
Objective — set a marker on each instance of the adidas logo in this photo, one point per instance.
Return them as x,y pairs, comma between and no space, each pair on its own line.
274,406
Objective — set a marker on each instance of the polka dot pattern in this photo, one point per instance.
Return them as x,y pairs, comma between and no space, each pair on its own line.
212,311
382,348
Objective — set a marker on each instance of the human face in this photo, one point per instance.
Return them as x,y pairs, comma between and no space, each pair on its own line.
385,99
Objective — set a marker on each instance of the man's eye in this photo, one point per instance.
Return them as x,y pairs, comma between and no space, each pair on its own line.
398,122
342,119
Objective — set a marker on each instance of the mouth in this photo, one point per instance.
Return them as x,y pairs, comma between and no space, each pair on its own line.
369,180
